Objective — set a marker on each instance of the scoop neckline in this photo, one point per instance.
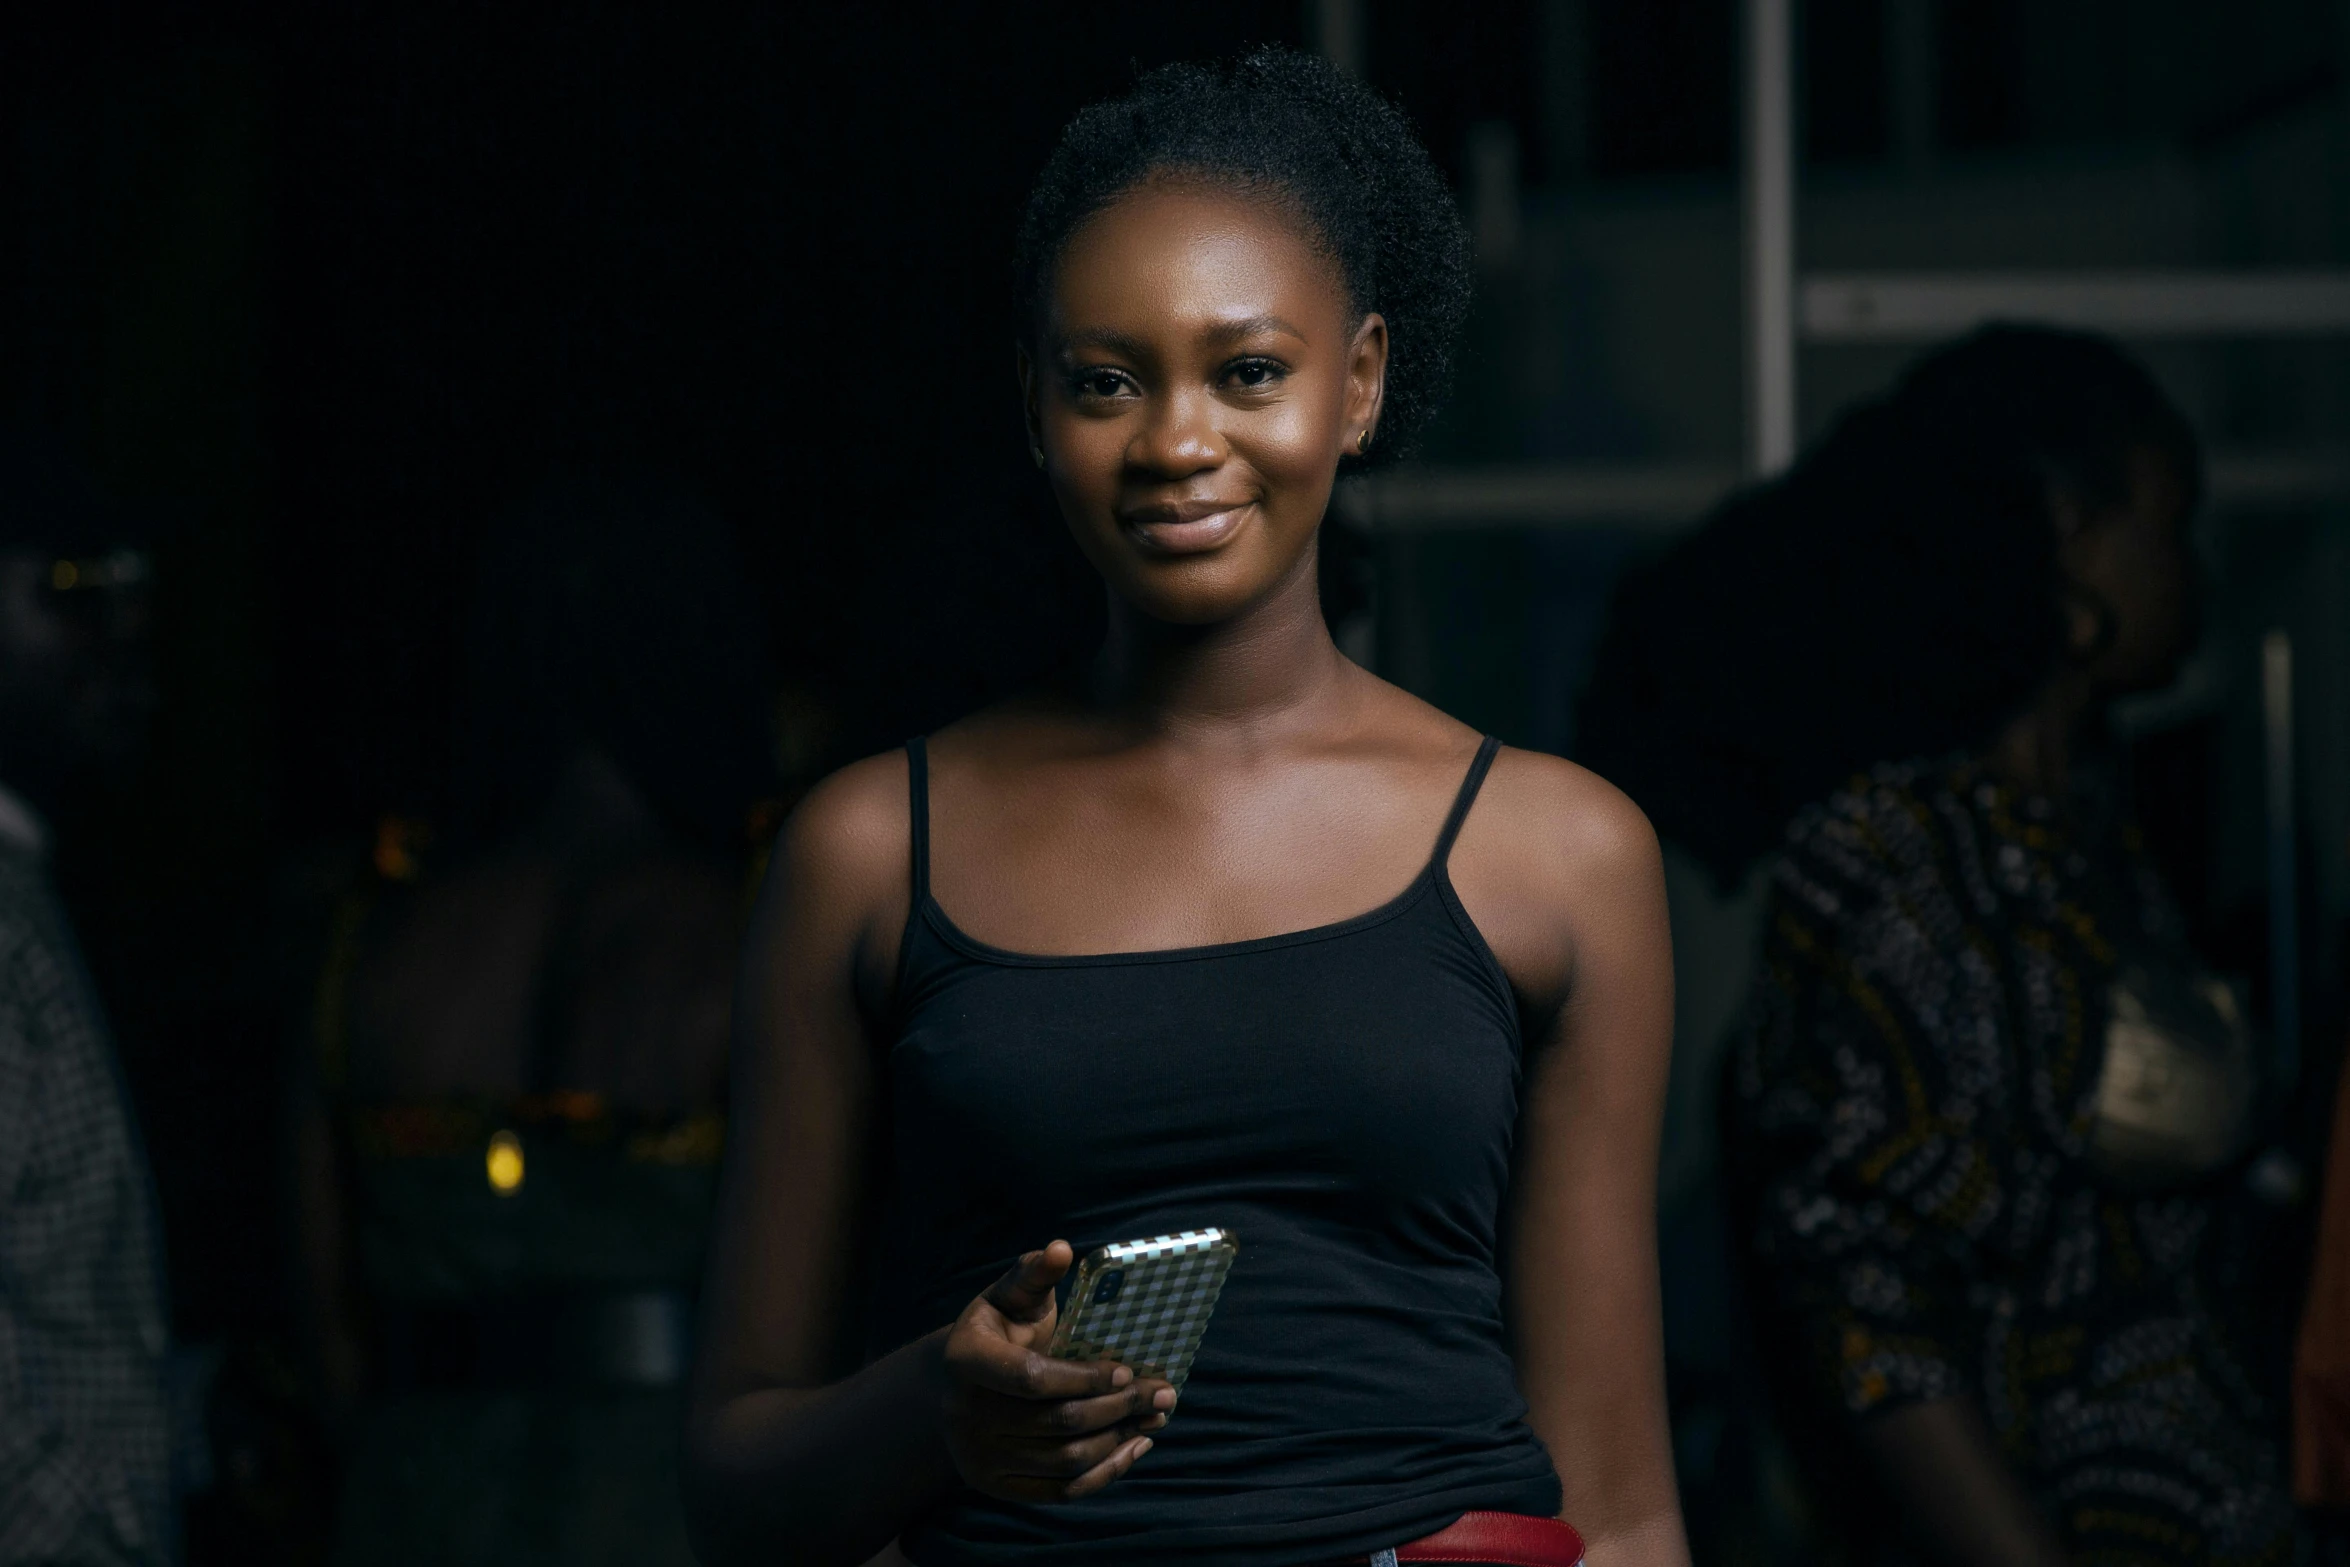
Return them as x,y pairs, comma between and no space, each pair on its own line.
955,936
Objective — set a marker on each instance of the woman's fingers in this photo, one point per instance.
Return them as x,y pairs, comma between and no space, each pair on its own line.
1047,1488
1025,1294
988,1364
1067,1459
1025,1426
1109,1469
1147,1400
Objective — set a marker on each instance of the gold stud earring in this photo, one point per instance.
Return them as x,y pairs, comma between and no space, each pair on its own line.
1036,453
1363,444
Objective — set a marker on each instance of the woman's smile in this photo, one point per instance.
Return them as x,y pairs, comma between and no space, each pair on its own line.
1185,527
1199,369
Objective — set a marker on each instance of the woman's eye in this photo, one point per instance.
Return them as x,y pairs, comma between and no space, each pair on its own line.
1254,373
1099,383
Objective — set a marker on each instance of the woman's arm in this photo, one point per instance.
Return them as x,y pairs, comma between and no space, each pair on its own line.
1566,880
773,1453
781,1464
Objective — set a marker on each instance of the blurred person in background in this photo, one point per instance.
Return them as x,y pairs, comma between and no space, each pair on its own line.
85,1427
1986,1113
510,1127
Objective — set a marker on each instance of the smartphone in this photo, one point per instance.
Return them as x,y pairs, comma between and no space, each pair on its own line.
1145,1304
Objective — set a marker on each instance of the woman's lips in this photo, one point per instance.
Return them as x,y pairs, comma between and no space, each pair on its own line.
1187,528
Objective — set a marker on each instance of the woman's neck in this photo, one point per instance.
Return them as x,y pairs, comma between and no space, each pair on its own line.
1260,671
2035,751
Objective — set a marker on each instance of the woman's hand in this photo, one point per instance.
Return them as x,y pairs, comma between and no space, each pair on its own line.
1023,1426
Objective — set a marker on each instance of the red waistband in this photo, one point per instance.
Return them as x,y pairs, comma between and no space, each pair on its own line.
1500,1539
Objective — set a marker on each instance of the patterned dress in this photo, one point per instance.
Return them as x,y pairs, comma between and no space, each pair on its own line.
1911,1112
85,1430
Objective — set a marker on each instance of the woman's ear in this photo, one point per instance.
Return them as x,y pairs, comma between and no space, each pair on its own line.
2090,625
1366,383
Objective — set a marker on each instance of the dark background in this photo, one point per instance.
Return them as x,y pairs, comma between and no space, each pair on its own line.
322,289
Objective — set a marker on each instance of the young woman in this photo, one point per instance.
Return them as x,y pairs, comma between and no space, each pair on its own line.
1987,1114
1226,932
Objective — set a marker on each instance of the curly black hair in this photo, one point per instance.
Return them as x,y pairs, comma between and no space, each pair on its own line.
1894,595
1297,129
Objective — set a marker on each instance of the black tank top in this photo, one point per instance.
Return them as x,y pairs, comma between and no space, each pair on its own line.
1343,1098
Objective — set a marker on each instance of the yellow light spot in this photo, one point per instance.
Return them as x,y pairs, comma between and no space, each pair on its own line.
505,1163
397,842
63,575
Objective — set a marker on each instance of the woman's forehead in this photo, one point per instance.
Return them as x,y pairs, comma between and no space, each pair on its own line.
1190,253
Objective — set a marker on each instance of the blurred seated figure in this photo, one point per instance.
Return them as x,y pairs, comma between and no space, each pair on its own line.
85,1427
511,1142
1985,1112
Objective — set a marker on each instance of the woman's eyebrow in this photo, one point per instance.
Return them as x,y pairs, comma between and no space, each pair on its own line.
1254,326
1111,340
1103,338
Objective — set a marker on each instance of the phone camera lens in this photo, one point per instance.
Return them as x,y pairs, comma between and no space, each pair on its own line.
1107,1289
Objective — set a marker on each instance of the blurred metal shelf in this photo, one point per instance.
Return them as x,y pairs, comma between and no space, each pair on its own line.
2277,480
1666,498
1443,499
1892,307
1910,307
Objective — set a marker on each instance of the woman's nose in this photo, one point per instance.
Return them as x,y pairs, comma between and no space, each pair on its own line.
1178,436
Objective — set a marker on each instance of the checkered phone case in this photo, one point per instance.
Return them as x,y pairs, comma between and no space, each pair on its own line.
1145,1304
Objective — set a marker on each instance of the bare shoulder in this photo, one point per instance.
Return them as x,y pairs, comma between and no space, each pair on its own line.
857,819
1563,824
1555,864
1542,828
843,863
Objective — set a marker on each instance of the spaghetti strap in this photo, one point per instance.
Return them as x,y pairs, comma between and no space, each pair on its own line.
1466,798
918,809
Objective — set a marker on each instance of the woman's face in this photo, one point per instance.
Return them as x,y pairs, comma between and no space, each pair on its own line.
1198,373
2137,561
